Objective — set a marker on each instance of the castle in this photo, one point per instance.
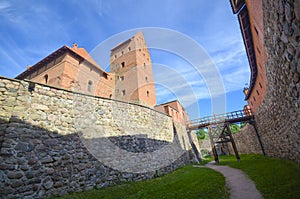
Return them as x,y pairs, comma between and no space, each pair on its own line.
130,78
250,16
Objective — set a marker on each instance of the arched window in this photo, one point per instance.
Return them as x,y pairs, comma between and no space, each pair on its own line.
148,94
90,86
46,79
123,64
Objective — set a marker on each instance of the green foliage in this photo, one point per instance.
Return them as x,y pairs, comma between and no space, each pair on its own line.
234,128
201,134
186,182
274,178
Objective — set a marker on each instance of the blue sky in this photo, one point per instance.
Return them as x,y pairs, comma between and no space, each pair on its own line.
30,30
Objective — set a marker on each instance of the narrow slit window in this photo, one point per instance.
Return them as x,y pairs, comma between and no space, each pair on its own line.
46,79
258,50
256,31
90,83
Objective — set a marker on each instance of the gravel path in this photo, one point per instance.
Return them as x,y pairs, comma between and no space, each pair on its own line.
241,187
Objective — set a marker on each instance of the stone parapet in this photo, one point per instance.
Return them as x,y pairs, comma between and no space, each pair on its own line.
55,141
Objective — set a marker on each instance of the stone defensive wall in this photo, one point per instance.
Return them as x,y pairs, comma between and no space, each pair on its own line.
278,117
54,141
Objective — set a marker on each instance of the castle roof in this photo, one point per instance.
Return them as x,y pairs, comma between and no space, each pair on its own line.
239,6
170,104
78,53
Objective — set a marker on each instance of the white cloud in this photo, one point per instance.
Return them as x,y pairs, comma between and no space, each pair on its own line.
4,5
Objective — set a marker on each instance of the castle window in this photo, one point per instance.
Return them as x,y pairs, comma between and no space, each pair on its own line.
251,103
105,75
146,78
129,48
260,85
122,78
90,86
110,96
123,92
144,65
46,79
123,64
148,94
255,30
258,50
254,99
257,92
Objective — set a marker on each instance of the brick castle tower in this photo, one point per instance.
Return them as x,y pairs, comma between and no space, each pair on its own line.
131,63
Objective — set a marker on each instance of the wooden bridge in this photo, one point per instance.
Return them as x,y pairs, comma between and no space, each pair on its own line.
231,117
219,128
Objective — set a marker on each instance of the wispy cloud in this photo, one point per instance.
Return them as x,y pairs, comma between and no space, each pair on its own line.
4,5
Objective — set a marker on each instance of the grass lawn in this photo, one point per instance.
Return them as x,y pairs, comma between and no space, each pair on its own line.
274,178
185,182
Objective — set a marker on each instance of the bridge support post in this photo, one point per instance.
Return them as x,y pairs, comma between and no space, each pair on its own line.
214,150
253,123
232,142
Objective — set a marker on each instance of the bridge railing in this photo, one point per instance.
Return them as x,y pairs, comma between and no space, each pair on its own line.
221,117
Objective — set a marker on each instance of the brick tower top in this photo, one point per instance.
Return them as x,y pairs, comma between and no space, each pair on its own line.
131,63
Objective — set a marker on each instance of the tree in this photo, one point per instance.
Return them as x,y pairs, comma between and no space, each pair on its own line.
201,133
234,128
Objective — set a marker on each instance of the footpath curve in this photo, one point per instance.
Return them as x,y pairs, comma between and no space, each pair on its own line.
241,187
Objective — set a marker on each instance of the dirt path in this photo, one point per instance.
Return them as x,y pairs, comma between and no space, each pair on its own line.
241,187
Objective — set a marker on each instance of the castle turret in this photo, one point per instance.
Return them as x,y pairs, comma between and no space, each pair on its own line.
131,63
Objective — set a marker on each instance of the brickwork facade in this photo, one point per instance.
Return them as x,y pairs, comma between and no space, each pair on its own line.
175,110
72,69
131,63
258,92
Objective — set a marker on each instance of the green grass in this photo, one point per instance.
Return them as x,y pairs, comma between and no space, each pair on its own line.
185,182
206,159
274,178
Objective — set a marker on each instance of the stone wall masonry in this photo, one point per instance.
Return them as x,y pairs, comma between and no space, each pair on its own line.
246,141
278,115
55,141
